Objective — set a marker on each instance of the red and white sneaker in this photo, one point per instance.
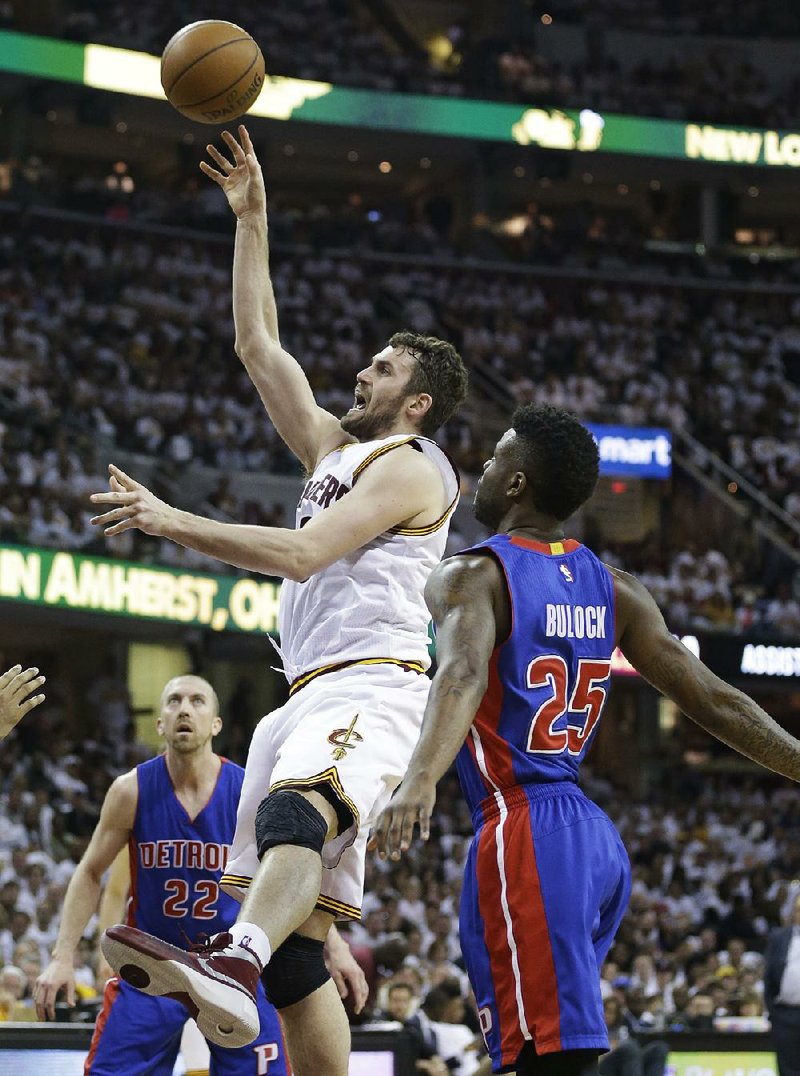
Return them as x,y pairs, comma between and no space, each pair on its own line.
216,981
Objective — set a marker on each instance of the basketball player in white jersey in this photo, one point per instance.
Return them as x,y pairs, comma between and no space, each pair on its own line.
371,525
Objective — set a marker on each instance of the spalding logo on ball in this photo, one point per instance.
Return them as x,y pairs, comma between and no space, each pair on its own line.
212,71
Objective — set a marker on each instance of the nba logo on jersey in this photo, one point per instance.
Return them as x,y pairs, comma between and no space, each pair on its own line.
570,578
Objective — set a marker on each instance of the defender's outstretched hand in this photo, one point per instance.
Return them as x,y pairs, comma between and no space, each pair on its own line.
412,804
241,179
16,700
138,506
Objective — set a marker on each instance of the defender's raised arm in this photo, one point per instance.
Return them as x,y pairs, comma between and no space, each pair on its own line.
716,706
308,430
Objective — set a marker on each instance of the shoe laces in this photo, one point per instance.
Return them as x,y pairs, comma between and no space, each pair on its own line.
205,945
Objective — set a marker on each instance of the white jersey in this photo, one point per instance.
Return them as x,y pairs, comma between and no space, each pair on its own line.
369,605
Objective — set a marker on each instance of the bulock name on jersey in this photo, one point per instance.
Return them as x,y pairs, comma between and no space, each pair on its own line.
576,621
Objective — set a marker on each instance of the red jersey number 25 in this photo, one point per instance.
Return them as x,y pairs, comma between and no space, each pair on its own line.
583,709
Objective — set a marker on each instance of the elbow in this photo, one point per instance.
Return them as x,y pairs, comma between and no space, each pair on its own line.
303,564
253,344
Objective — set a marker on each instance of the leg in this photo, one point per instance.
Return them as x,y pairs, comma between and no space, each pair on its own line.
135,1034
565,1063
288,868
654,1058
623,1060
327,1050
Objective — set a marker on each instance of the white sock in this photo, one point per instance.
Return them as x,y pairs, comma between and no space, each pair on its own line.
252,939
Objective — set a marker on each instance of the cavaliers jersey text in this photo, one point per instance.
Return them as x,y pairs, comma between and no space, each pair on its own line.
177,861
548,682
369,604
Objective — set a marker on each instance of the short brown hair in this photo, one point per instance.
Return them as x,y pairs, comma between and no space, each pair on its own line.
439,371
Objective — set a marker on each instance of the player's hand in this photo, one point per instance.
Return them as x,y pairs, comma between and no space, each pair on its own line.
57,974
411,804
139,507
346,972
16,699
241,178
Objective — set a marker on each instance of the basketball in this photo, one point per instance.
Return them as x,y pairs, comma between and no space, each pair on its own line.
212,71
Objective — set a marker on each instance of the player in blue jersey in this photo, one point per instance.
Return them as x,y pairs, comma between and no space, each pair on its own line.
526,623
177,815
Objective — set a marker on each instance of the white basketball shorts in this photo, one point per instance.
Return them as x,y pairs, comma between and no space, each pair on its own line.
354,730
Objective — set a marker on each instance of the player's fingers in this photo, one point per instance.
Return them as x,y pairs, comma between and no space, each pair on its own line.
235,148
247,143
112,516
19,684
122,496
424,823
407,830
379,833
125,480
30,704
25,683
118,528
9,675
116,485
393,835
212,173
360,989
49,1001
222,161
341,982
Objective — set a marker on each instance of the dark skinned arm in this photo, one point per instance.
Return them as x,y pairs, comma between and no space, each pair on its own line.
725,712
467,600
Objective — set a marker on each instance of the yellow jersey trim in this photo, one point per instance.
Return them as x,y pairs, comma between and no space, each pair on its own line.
306,678
380,452
329,776
338,908
431,527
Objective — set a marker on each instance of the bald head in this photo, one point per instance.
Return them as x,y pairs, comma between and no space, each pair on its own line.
190,682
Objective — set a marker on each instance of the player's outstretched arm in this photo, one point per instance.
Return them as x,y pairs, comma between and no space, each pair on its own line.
83,893
400,488
16,685
308,430
464,595
715,705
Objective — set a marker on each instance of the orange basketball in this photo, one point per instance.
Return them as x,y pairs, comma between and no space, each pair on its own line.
212,71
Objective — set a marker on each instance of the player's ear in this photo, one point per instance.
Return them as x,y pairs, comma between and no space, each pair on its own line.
420,405
216,725
517,484
159,726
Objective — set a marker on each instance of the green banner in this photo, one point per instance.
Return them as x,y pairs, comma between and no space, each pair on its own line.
721,1064
43,56
61,580
586,131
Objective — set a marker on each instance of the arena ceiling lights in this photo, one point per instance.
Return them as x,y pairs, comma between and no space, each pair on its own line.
583,131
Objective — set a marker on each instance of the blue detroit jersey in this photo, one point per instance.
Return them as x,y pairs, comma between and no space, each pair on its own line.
176,862
548,682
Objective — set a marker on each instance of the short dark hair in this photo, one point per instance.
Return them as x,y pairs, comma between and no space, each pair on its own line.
559,457
439,371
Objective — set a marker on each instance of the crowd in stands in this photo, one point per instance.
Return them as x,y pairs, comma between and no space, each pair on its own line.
121,339
712,858
341,42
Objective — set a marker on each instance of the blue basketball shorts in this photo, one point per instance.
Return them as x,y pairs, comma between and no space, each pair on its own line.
137,1034
547,883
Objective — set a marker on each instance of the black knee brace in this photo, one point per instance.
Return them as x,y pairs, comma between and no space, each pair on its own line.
286,817
295,970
